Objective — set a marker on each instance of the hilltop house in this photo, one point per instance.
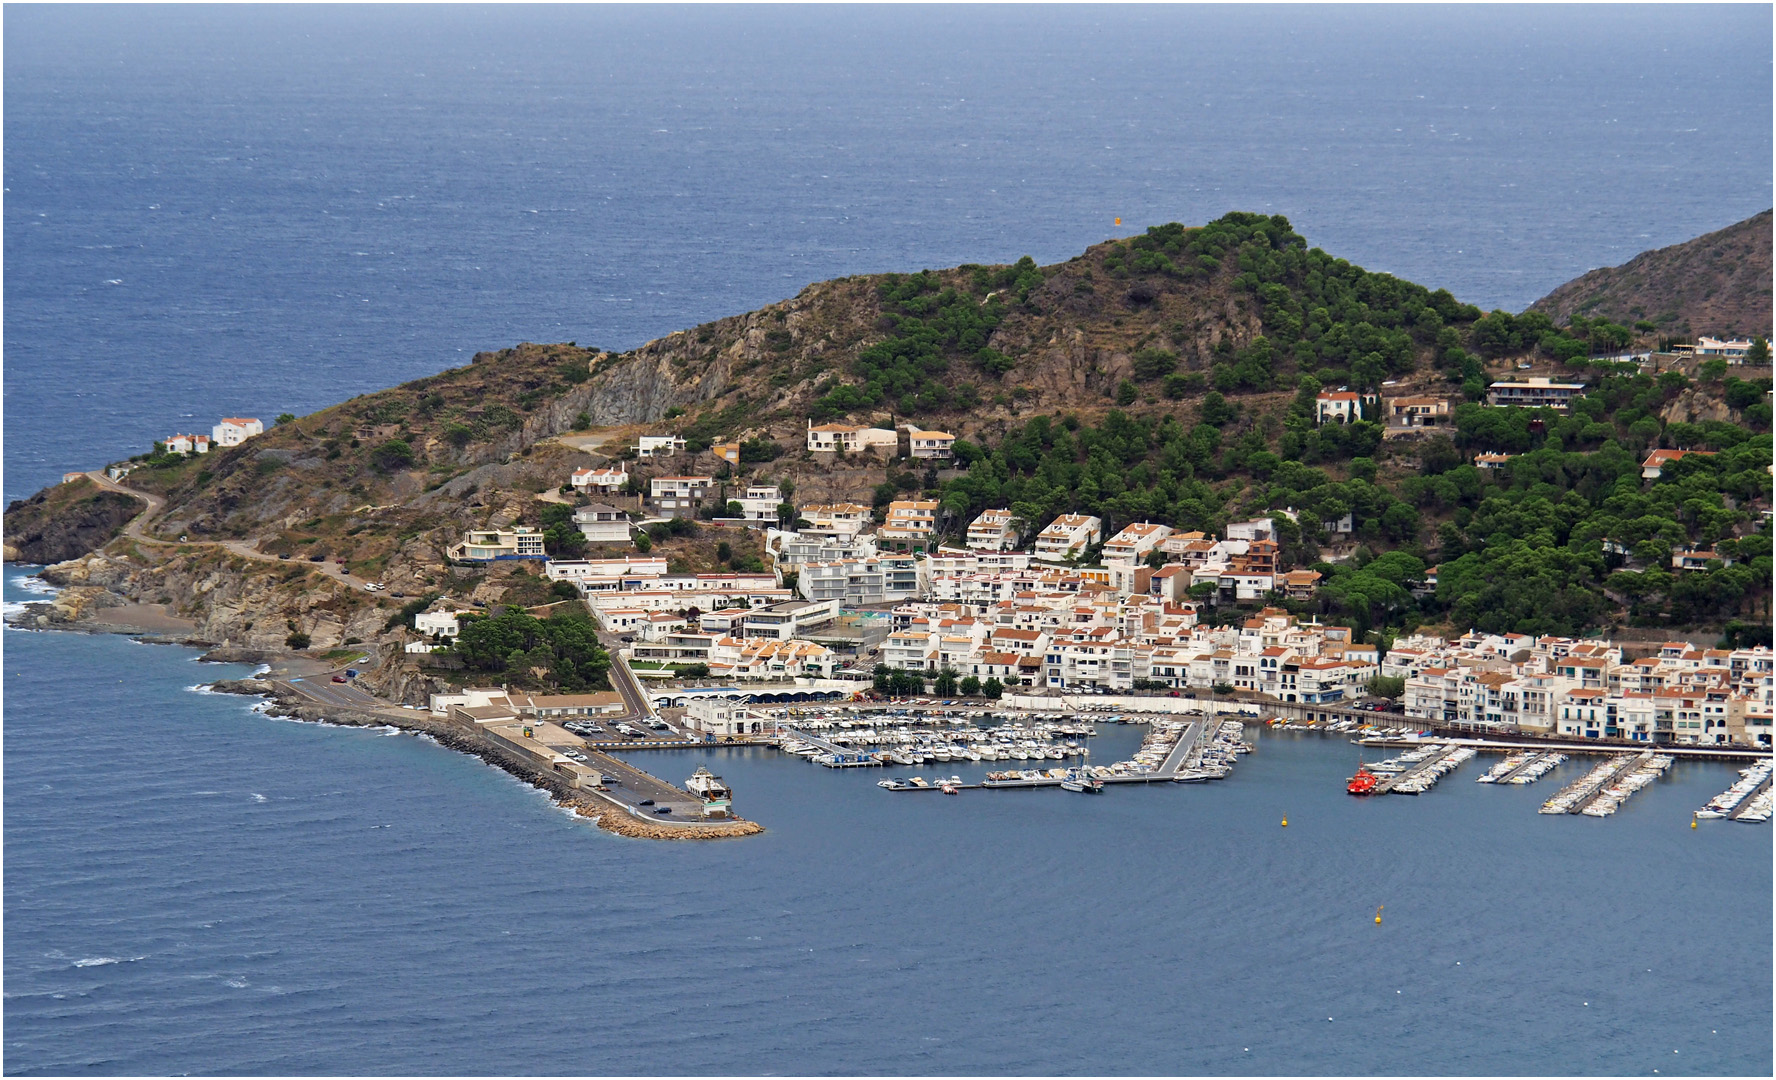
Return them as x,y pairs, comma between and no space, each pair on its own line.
1658,459
679,492
234,430
930,444
1536,393
1341,406
609,481
850,438
187,444
653,446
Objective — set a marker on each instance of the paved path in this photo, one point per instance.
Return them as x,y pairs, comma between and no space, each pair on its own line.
247,549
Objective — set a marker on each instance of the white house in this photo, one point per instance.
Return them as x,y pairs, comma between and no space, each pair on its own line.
835,519
440,623
1733,349
604,481
1135,541
1653,466
601,524
930,444
234,430
679,492
992,531
1341,406
1068,535
850,438
759,505
652,446
488,545
909,522
1536,393
187,444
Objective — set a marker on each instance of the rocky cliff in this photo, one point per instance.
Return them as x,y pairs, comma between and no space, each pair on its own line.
65,522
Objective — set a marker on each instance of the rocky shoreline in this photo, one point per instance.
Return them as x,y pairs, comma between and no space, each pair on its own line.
71,614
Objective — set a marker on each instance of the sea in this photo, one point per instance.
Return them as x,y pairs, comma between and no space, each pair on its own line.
219,210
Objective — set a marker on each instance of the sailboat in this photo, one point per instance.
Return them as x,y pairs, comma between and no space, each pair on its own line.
1081,779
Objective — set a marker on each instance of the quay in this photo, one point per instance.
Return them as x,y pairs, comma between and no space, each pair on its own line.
1531,768
834,755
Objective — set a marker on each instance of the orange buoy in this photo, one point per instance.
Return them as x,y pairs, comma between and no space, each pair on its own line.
1119,221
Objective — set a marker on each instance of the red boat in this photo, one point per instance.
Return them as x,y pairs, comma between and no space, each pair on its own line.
1363,783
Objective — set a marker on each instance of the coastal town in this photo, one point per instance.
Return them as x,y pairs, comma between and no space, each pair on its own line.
902,632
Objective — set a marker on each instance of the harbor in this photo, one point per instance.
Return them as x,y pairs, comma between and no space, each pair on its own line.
1748,800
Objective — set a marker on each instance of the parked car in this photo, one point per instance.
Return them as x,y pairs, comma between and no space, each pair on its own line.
317,558
645,802
286,557
662,809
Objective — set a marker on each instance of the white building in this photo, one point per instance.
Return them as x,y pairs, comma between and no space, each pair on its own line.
930,444
679,492
883,579
439,623
1535,393
993,531
653,446
1342,406
1068,536
910,523
835,519
489,545
601,524
234,430
1733,349
1135,541
759,505
711,715
187,444
609,481
850,438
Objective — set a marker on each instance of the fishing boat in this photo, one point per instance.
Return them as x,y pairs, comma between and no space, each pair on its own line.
1363,783
716,797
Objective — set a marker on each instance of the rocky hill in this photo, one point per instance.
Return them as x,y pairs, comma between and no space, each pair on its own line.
1718,284
1167,377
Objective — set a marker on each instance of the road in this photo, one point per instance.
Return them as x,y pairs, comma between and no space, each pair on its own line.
247,549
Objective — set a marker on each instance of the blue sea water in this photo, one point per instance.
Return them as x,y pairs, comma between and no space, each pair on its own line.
217,210
194,886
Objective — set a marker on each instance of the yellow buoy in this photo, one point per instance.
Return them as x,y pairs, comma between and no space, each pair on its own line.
1285,823
1692,823
1378,915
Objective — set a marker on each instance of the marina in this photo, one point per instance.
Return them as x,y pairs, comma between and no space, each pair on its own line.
1174,751
1646,769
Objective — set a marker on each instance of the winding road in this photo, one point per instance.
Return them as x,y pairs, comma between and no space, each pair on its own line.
136,530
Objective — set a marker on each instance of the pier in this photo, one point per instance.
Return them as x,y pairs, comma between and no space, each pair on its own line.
1422,775
1750,800
1577,795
